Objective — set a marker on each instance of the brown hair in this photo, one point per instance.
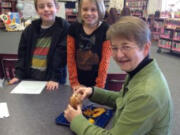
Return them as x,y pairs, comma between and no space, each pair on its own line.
112,16
125,12
35,3
131,28
100,7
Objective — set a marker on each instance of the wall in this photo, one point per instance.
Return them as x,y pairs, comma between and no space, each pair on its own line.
29,10
116,4
61,11
153,6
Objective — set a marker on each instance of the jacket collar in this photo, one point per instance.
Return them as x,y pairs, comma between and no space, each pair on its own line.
143,63
36,24
145,71
150,68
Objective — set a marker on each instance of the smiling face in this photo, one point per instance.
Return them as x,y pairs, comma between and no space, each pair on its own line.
46,9
127,54
89,13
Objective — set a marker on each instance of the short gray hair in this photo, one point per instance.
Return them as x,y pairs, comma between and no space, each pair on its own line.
131,28
100,7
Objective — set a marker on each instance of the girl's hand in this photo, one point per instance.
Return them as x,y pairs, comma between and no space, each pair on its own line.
84,92
14,80
51,85
70,113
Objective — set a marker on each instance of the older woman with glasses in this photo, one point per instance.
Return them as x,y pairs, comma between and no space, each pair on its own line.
144,105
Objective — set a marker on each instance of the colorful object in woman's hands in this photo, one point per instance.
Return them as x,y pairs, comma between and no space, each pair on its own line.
94,112
75,100
91,120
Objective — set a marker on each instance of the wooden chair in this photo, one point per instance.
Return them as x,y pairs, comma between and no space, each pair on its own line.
8,65
115,81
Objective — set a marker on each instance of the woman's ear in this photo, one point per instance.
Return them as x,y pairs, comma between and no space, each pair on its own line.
147,48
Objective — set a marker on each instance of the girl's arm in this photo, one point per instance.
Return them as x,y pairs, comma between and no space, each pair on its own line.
104,64
71,62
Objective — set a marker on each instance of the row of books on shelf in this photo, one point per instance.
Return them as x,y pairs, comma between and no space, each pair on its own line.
136,1
167,32
138,13
170,39
169,22
173,34
137,8
166,28
6,4
174,46
167,14
136,4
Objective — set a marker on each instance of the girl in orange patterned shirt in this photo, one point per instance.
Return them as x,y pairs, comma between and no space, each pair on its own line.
88,51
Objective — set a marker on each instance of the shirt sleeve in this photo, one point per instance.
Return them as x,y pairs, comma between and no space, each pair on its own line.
136,118
71,62
104,64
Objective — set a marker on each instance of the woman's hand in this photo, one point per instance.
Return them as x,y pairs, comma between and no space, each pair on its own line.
77,87
51,85
70,113
83,92
14,80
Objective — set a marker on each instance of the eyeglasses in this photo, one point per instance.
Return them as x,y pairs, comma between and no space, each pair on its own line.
124,48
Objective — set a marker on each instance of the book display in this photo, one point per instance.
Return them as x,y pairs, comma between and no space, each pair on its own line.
137,7
7,6
170,36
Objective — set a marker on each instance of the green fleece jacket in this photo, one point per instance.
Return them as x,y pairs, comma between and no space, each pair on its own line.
145,109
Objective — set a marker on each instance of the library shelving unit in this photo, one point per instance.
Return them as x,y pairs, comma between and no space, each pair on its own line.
106,2
137,7
157,27
70,10
7,6
170,37
176,41
71,15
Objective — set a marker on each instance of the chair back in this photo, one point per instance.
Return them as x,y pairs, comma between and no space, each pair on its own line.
8,65
115,81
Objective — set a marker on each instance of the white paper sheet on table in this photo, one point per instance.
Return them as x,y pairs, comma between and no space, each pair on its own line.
29,87
4,110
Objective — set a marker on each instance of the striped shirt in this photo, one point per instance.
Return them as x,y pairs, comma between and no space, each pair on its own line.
39,59
40,54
